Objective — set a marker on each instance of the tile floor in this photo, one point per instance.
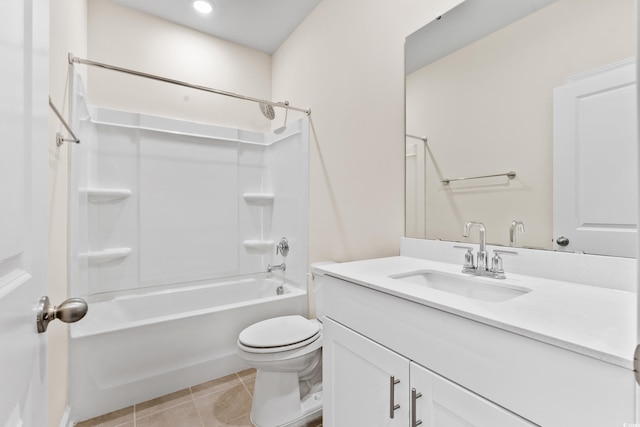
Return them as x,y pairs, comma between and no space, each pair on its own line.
224,402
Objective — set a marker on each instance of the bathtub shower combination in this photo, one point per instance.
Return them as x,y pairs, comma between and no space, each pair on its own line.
172,227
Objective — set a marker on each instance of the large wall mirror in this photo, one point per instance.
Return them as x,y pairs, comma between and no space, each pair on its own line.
541,88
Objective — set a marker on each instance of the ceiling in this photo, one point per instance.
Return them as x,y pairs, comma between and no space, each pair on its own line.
461,26
259,24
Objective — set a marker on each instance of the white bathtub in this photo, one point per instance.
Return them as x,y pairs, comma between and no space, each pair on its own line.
136,347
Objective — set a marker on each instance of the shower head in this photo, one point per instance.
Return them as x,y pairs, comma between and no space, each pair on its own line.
268,111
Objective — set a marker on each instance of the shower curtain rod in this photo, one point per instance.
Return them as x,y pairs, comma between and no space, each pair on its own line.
422,138
59,138
76,60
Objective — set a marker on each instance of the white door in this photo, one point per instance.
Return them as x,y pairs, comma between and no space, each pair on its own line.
365,384
439,402
23,209
595,152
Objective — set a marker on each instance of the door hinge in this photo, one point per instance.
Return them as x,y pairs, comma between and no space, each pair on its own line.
636,363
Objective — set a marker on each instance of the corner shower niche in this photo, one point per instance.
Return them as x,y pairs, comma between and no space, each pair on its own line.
164,202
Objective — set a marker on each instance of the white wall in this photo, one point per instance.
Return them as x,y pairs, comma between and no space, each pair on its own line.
68,32
488,108
346,62
130,39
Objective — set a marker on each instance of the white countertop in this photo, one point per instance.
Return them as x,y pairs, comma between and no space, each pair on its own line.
594,321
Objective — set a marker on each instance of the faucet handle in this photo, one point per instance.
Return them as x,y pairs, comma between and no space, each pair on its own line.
496,262
283,247
468,258
497,252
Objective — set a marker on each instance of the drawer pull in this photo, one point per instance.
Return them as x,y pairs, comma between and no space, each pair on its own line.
392,398
414,397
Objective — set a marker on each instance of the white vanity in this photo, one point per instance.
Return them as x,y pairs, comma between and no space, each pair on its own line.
404,346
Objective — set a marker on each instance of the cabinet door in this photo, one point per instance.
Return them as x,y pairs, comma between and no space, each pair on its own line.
358,376
443,403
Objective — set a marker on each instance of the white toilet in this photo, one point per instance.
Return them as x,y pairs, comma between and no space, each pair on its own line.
287,353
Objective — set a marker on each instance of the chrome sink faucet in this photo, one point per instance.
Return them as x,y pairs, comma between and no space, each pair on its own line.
481,267
482,261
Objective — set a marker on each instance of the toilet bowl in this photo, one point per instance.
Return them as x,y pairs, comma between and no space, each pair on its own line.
287,354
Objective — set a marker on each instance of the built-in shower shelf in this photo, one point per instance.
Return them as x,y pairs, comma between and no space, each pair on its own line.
258,246
261,199
105,255
106,194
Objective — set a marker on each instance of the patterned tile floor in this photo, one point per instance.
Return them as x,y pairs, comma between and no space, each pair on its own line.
224,402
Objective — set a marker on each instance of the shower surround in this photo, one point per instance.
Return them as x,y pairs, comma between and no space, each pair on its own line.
172,226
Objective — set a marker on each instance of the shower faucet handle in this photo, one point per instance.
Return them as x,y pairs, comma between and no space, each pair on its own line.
283,247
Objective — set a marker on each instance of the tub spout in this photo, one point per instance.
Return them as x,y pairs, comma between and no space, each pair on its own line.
270,267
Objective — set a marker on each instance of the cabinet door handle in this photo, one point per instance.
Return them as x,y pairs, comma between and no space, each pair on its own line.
414,397
392,396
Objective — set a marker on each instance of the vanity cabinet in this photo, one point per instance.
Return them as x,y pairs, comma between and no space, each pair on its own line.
443,403
370,385
366,381
468,372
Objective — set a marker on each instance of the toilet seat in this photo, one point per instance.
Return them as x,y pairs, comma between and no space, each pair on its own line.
279,334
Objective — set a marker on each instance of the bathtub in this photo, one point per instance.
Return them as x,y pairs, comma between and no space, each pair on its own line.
132,348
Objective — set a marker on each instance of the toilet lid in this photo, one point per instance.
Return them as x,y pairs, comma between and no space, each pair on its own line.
279,332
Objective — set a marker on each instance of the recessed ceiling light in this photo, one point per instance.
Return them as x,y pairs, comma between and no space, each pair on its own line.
202,6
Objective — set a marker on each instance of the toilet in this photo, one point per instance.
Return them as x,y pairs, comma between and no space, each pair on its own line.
287,354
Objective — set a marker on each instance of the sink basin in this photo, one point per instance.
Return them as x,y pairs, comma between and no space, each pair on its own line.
483,289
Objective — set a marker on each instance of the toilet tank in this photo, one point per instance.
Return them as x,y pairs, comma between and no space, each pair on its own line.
316,308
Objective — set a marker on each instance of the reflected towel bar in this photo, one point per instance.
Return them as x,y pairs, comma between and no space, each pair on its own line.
510,175
59,138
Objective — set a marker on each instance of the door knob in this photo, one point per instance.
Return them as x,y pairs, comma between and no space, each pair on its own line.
69,311
562,241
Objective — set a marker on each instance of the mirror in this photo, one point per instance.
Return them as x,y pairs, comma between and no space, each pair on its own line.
480,84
